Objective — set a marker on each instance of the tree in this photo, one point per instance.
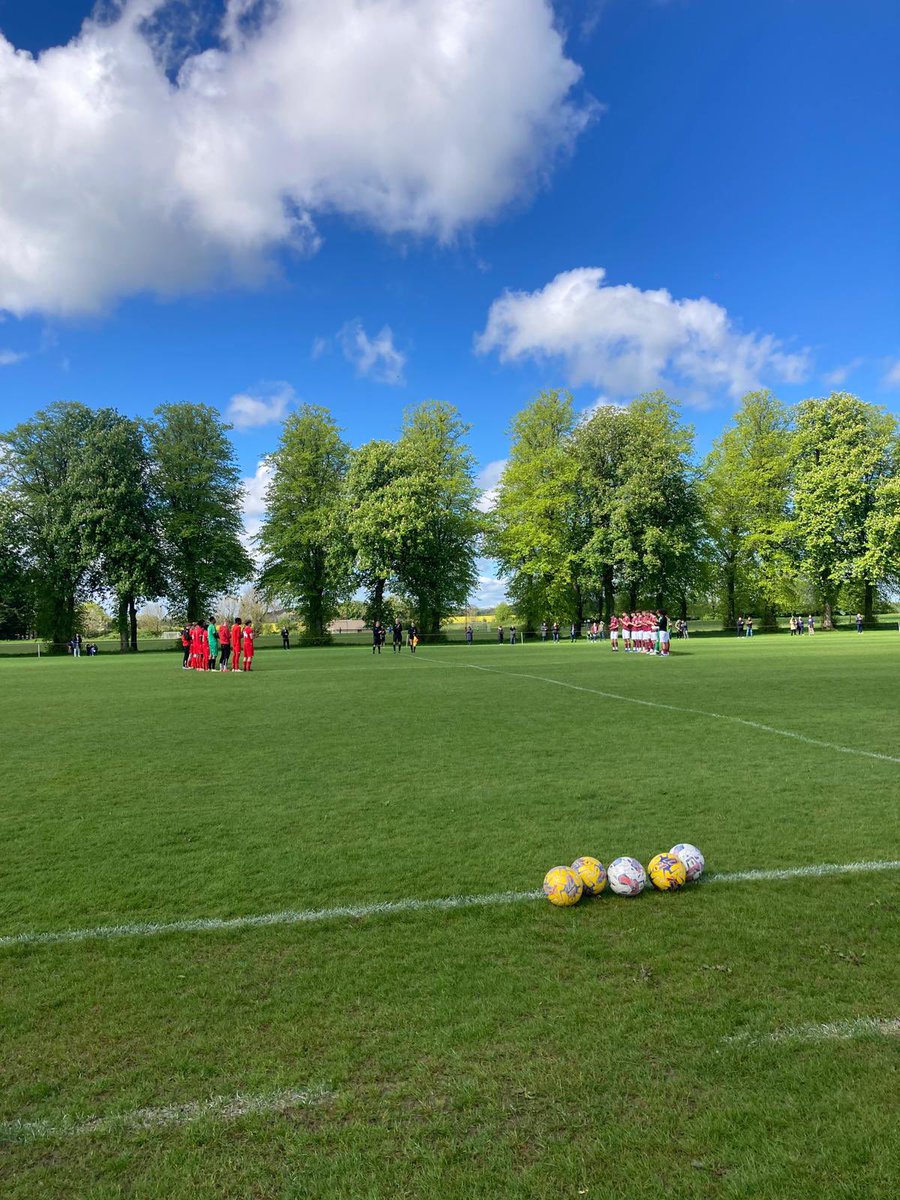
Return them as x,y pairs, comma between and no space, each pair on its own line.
119,516
16,607
42,481
745,493
504,614
152,620
538,529
306,559
845,493
198,487
599,445
253,608
431,505
371,521
93,619
655,527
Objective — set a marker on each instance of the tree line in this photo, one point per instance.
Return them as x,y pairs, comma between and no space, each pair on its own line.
792,508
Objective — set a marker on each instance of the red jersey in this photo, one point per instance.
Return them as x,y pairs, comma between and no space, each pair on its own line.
248,642
235,638
614,624
223,635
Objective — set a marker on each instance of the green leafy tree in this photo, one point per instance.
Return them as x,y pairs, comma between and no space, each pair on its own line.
371,521
306,557
600,448
655,525
198,487
538,529
745,492
43,483
119,516
845,493
431,505
16,603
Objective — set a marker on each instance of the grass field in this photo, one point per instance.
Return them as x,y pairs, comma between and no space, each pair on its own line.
708,1043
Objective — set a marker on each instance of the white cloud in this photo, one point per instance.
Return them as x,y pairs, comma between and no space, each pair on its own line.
488,480
376,358
269,404
320,347
892,375
840,374
627,340
254,506
416,117
9,358
489,591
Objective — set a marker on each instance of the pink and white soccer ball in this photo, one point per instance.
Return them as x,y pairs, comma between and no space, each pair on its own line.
626,876
693,860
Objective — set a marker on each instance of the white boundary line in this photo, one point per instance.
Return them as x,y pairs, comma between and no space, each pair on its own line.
389,907
219,1108
832,1031
697,712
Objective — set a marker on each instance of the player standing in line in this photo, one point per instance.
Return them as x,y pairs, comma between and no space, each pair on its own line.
626,633
204,648
248,645
236,646
614,633
224,645
196,648
185,647
663,634
397,638
376,638
212,635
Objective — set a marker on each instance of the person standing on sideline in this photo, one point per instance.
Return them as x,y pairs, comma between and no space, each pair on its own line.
412,637
397,637
543,631
468,635
748,627
512,635
247,640
212,635
76,646
740,626
601,630
500,634
810,625
236,646
572,632
792,625
285,638
376,638
859,622
556,631
224,645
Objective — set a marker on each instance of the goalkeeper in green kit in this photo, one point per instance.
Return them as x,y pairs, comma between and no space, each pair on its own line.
213,635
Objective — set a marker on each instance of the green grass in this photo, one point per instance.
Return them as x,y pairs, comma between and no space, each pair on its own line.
512,1051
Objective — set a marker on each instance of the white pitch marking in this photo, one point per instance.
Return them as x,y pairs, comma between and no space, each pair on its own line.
697,712
832,1031
389,907
219,1108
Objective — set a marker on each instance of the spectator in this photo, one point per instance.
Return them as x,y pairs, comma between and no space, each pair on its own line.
285,638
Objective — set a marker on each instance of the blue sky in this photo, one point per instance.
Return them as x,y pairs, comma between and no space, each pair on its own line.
607,196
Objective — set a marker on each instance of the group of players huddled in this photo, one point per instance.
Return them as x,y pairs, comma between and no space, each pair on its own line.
641,633
210,647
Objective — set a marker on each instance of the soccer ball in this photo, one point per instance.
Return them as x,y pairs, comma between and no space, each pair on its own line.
667,873
693,860
563,886
592,874
626,877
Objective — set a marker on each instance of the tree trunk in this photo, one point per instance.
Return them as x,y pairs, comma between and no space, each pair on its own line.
730,590
132,624
769,617
608,598
827,622
579,608
377,613
682,607
869,605
122,623
632,598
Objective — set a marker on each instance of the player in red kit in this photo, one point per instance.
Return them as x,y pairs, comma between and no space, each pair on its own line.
248,646
236,646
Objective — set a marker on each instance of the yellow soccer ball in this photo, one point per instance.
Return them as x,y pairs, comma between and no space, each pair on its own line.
563,886
592,874
667,873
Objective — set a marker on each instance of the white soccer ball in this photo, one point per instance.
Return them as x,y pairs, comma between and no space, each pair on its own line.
693,860
626,876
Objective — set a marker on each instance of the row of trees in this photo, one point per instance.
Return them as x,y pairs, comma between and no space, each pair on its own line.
791,508
94,503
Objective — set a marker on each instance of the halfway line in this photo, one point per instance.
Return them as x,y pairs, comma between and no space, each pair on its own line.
389,907
832,1031
697,712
